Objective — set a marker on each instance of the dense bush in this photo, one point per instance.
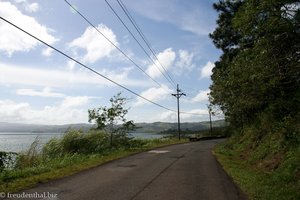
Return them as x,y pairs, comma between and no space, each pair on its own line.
93,142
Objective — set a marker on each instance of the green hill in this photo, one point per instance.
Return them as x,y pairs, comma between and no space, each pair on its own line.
155,127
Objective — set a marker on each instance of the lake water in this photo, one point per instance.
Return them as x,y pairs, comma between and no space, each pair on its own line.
17,142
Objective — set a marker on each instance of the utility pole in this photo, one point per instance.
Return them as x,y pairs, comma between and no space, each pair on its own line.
209,111
178,95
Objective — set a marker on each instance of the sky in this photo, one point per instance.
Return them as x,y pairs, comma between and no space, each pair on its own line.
40,86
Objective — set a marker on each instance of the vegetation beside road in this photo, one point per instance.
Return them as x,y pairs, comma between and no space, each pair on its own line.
266,169
74,152
256,85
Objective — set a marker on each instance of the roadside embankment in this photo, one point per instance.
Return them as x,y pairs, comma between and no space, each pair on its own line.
267,168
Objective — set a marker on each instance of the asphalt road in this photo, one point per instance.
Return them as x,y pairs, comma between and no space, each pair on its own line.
186,171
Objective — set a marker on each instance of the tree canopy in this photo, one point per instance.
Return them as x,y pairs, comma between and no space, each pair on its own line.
259,70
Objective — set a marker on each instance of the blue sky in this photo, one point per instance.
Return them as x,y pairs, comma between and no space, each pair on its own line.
38,85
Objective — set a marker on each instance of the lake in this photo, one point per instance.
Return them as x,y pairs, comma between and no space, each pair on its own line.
17,142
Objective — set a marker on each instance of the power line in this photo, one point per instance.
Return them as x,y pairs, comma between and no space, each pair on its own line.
92,70
83,65
118,48
116,14
125,10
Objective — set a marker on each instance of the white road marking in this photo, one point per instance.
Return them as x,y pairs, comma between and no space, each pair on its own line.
158,151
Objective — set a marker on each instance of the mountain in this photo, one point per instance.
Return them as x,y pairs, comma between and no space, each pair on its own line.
155,127
36,128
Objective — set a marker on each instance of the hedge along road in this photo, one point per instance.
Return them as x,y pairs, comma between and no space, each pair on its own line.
185,171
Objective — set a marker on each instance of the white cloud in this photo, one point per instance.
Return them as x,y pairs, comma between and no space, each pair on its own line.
21,75
167,116
47,52
195,115
46,92
206,71
166,58
29,7
33,7
70,102
185,62
95,45
71,65
68,111
20,1
202,96
11,39
11,111
154,94
198,19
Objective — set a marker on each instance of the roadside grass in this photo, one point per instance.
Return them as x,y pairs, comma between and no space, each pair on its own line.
262,173
69,155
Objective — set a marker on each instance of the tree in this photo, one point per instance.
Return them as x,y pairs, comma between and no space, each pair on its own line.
274,26
259,69
109,118
226,38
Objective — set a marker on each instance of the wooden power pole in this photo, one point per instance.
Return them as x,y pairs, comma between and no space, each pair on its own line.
178,95
210,122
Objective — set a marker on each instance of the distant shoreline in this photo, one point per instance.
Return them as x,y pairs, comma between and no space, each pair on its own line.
155,127
13,133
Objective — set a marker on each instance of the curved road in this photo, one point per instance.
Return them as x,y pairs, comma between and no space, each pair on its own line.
186,171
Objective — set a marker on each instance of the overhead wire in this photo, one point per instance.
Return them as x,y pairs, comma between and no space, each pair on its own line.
118,48
142,35
85,66
92,70
138,29
151,59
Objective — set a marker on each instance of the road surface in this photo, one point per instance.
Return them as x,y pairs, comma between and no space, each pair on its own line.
184,172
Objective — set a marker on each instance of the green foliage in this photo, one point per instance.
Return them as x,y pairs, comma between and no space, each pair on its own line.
7,160
264,169
256,84
74,141
259,70
52,148
107,118
29,158
73,152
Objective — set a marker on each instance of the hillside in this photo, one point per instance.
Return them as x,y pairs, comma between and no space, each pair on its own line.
155,127
32,128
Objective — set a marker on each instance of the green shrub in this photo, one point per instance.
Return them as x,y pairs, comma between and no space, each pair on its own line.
52,148
74,141
31,157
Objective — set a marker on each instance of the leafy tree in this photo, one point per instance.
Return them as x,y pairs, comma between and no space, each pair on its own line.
260,67
275,65
226,38
112,119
